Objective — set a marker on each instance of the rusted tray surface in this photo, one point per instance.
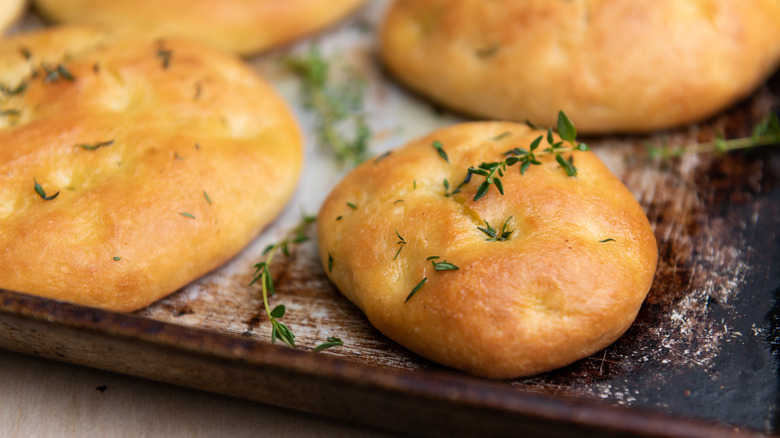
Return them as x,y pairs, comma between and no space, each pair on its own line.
701,359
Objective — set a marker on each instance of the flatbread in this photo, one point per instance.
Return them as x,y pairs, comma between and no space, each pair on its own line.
612,65
566,281
166,158
241,26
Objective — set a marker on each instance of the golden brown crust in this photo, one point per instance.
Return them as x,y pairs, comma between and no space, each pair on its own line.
612,65
203,155
568,281
241,26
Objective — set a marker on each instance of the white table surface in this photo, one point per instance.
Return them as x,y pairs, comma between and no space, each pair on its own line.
46,398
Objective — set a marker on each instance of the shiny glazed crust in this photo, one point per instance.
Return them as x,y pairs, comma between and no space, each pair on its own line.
612,65
568,282
241,26
168,158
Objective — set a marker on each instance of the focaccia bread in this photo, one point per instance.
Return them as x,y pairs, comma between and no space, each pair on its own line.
558,270
129,168
241,26
10,11
612,65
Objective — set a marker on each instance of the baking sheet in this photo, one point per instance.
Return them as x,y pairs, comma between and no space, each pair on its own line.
701,358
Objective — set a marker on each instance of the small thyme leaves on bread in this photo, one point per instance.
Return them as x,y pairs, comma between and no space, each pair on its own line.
440,149
494,235
502,136
416,289
96,146
42,193
401,242
607,240
56,73
188,215
19,89
206,196
352,205
165,55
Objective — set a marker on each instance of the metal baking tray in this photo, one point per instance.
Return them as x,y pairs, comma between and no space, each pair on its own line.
700,360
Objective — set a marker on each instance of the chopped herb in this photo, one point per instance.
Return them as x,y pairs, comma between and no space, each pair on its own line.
351,205
397,201
414,184
401,242
330,262
382,157
57,73
206,195
116,259
332,342
164,55
607,240
502,135
96,145
39,190
19,89
25,52
263,276
338,218
494,235
432,258
416,288
440,149
444,266
488,51
338,107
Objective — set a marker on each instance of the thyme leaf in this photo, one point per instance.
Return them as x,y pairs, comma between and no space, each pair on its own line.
57,73
440,149
416,289
444,266
333,341
96,145
39,190
494,235
401,242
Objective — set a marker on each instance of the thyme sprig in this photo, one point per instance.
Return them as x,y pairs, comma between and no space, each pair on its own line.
401,243
339,107
262,275
494,171
494,235
765,132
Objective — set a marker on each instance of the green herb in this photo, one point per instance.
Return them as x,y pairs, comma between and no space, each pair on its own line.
416,288
494,171
330,262
206,195
338,107
164,55
57,73
116,259
382,157
444,266
440,149
765,132
397,201
263,276
401,242
502,135
19,89
96,145
351,205
10,112
488,51
39,190
494,235
332,342
338,218
185,214
606,240
25,52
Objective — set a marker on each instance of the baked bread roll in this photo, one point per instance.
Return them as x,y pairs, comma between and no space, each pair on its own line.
241,26
612,65
562,275
10,11
129,168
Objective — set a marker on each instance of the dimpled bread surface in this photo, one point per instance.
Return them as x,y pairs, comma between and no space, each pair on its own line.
612,65
166,158
567,282
241,26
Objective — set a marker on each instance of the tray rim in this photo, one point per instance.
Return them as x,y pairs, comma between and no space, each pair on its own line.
431,389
